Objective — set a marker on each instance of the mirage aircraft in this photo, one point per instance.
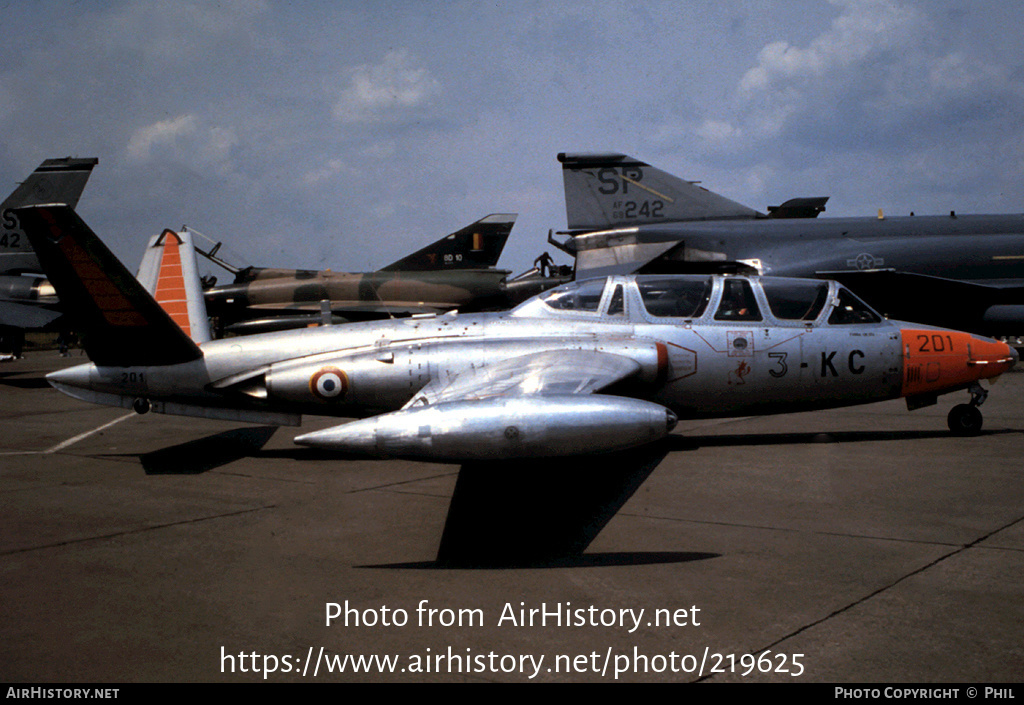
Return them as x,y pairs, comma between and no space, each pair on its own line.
591,366
457,271
961,271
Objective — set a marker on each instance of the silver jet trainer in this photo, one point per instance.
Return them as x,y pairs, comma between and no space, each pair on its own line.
593,366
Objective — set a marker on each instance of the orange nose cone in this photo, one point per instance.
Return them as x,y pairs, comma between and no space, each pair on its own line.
940,360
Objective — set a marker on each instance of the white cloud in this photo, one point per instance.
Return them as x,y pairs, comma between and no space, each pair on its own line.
876,74
718,131
387,91
958,73
863,28
165,132
184,140
854,55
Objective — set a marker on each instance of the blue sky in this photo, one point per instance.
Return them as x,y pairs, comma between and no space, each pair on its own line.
345,135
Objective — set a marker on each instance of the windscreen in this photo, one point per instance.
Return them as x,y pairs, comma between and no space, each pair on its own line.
850,310
577,296
795,299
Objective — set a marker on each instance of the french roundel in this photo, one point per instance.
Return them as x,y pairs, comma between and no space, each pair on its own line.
329,383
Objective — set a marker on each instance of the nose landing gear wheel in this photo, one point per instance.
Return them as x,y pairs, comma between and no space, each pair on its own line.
964,420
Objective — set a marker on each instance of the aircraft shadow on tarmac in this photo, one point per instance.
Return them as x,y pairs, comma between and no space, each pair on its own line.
541,513
205,454
544,512
209,453
694,442
23,380
586,560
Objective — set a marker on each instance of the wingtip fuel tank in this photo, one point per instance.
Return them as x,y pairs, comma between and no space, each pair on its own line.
502,428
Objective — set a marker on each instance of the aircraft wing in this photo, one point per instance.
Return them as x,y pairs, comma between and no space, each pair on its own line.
537,405
545,373
26,316
895,279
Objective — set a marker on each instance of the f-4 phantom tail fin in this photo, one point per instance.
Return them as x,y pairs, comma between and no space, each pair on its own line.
477,246
120,323
170,273
612,190
54,181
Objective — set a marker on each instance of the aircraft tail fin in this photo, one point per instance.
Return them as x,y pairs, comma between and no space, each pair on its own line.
120,323
53,181
170,272
610,190
476,246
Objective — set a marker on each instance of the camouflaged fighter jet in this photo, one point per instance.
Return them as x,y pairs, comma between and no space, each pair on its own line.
457,271
29,302
591,366
961,271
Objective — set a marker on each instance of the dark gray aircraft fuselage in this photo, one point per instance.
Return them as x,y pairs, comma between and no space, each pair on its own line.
961,271
984,249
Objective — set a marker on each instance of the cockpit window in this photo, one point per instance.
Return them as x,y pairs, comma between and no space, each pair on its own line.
577,296
851,310
678,297
738,302
795,299
617,306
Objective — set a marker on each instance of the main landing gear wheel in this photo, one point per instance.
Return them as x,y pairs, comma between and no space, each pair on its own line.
964,420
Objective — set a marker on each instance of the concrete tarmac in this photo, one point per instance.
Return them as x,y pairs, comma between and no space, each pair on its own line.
856,545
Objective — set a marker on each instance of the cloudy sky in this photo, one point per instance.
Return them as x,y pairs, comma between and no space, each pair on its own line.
344,135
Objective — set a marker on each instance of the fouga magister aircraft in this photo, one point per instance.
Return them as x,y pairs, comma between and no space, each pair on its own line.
591,366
